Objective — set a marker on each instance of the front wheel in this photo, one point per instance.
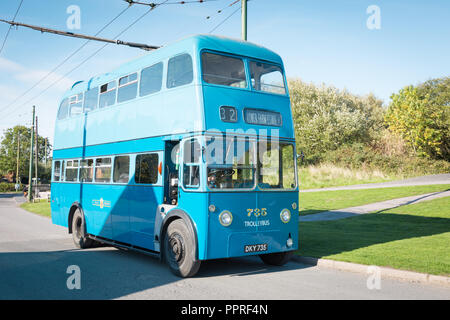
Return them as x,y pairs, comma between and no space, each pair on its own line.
179,250
277,258
79,231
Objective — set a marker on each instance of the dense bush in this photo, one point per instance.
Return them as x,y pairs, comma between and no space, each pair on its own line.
326,118
336,128
7,187
421,115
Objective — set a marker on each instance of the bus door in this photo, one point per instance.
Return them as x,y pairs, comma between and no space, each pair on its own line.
171,172
146,193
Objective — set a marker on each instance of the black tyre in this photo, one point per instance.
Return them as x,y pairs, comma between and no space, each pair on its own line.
79,231
179,249
277,258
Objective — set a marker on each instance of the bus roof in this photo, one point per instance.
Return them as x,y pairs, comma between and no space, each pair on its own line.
191,44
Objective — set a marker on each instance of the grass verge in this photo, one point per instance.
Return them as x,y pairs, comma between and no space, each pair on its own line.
415,237
42,208
314,202
328,175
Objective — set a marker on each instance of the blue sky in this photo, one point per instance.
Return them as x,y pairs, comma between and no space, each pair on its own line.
324,41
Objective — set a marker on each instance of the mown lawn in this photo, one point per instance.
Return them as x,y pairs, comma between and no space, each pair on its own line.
313,202
414,237
42,208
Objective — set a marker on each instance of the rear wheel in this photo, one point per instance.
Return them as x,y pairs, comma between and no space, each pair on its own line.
179,250
79,231
277,258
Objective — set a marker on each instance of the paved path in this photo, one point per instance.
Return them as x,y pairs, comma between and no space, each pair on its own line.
418,181
372,207
35,255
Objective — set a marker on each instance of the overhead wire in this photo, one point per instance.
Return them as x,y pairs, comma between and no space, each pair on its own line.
62,62
9,29
221,10
89,57
224,20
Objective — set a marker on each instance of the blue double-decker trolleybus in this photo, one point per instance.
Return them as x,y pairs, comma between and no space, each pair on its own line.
187,153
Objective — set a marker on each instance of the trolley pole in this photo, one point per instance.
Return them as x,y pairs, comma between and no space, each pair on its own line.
244,20
30,171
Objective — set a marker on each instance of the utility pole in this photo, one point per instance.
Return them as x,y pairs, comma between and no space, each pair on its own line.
244,19
45,151
37,157
18,157
30,171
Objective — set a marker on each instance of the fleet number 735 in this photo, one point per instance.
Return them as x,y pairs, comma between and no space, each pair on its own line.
257,212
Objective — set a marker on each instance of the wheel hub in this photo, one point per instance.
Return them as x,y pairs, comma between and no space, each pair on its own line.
177,245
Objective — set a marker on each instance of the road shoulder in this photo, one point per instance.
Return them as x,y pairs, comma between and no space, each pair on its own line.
404,275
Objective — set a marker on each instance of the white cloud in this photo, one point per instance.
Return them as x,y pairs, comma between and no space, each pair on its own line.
17,78
10,66
30,77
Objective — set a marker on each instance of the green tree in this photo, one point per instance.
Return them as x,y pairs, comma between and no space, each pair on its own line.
421,116
326,118
8,152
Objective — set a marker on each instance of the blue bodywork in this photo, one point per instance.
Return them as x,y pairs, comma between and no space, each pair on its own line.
134,214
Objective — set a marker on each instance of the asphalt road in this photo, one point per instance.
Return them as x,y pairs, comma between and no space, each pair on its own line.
35,255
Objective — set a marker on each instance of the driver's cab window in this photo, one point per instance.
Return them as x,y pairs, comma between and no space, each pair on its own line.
191,163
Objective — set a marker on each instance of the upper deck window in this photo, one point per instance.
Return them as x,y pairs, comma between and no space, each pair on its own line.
76,104
267,77
151,79
63,111
179,71
223,70
107,94
127,87
91,99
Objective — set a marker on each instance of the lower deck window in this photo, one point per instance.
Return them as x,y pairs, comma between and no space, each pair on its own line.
86,170
103,170
57,171
231,163
191,175
121,169
276,166
146,168
72,170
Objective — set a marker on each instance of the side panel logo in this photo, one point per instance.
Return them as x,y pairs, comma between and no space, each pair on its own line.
101,203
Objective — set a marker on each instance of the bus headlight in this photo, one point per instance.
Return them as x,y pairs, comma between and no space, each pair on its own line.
225,218
285,215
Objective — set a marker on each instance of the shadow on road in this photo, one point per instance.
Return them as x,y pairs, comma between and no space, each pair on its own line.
10,195
106,273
